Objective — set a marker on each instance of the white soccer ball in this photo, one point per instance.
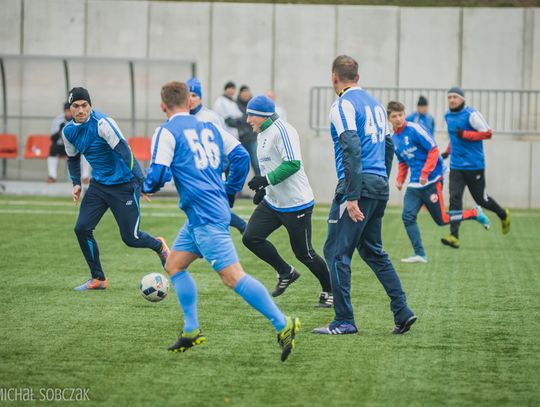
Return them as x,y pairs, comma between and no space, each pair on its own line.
154,287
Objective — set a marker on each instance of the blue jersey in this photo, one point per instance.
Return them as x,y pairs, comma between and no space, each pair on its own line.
466,154
357,110
96,139
425,120
193,152
412,145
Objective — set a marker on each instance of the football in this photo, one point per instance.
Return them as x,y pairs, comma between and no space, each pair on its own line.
154,287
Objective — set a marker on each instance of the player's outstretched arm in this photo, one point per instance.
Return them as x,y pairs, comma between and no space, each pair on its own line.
157,176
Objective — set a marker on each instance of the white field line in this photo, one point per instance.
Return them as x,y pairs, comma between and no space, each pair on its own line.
179,215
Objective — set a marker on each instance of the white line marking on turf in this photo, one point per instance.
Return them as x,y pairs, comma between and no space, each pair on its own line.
180,215
245,211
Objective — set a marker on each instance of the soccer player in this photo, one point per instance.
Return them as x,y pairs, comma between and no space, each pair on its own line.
190,151
204,114
363,151
416,149
284,198
116,184
422,116
467,129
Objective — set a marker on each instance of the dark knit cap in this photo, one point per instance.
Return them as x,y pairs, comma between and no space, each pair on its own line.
229,84
79,94
456,90
422,101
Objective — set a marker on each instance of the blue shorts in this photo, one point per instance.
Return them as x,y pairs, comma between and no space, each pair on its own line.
211,241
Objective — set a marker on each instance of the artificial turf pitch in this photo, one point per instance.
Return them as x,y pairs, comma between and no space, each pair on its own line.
476,341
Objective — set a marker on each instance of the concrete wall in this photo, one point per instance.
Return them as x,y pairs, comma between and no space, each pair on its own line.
286,47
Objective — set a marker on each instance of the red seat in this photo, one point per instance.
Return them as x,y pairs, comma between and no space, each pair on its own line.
8,146
37,146
140,146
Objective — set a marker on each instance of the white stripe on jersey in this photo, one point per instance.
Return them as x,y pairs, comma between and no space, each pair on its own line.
477,121
420,130
343,116
166,144
285,139
71,150
110,134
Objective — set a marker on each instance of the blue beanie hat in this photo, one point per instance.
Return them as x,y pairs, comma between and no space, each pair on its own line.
261,106
456,91
194,86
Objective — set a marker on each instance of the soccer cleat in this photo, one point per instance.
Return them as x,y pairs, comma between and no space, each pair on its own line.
405,326
326,300
415,259
451,241
164,253
187,341
482,218
336,329
93,284
284,282
506,223
286,338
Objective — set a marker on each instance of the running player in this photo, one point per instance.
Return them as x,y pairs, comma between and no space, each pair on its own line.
467,129
284,198
116,183
415,149
190,151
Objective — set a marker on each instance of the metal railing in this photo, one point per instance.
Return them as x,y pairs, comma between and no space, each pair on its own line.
506,111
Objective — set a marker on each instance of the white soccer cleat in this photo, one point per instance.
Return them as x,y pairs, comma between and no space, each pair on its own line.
415,259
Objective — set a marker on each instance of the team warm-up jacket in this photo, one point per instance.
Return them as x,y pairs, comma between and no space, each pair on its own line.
101,142
191,152
415,149
363,147
467,152
280,160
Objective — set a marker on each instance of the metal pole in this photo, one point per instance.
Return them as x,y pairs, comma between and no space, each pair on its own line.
66,76
132,79
4,96
4,107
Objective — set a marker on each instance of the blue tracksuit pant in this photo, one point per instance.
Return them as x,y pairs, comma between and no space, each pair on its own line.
432,197
123,200
344,236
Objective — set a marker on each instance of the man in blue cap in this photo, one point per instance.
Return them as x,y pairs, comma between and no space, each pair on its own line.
205,114
284,198
467,129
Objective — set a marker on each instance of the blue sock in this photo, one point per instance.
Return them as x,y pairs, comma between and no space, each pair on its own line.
186,291
254,293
